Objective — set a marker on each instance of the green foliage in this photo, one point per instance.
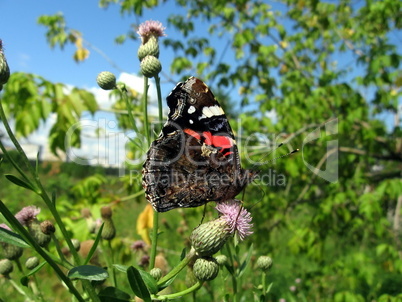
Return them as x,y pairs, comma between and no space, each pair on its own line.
308,64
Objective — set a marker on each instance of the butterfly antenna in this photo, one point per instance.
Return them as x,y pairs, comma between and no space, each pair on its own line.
285,155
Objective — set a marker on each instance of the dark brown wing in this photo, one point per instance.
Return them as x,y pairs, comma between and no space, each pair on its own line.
180,171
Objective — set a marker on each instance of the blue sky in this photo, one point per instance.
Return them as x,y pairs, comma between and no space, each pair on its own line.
27,50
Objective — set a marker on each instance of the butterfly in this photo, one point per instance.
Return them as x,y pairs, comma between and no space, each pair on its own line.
195,159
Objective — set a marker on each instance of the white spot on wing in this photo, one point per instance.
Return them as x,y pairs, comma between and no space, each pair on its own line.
212,111
191,121
191,110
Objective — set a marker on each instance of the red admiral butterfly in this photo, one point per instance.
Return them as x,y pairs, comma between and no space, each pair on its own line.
195,158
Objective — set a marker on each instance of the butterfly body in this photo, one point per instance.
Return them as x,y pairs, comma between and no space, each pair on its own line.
195,158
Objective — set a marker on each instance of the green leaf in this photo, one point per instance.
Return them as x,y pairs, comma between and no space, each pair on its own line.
88,272
137,284
113,294
12,238
24,280
95,245
150,282
121,268
246,261
19,182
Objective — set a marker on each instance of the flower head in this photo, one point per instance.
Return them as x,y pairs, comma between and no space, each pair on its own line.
237,218
151,28
27,214
138,245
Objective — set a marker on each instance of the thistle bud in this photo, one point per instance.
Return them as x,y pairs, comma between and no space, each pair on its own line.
205,269
151,48
31,263
35,230
106,212
221,259
156,273
10,251
209,237
264,263
6,267
47,227
150,66
106,80
109,230
4,69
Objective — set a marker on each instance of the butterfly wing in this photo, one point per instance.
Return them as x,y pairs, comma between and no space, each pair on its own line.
195,159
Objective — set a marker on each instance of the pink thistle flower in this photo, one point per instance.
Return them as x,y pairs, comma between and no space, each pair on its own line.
238,219
3,225
138,245
151,28
27,214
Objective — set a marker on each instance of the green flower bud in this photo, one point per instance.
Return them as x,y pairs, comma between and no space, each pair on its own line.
205,269
32,262
6,267
35,230
264,263
4,69
150,48
150,66
10,251
106,80
221,259
108,231
156,273
209,238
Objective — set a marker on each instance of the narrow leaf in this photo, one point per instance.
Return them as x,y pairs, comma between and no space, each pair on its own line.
19,182
94,246
12,238
137,284
246,261
113,294
88,272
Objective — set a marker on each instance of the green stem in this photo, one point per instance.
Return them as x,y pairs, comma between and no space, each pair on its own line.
110,263
20,268
123,92
264,285
20,290
39,190
145,108
156,214
28,238
186,260
59,252
191,289
158,91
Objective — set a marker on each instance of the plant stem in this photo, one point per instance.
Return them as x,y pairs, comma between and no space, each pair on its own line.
28,238
191,289
39,190
110,263
186,260
156,214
